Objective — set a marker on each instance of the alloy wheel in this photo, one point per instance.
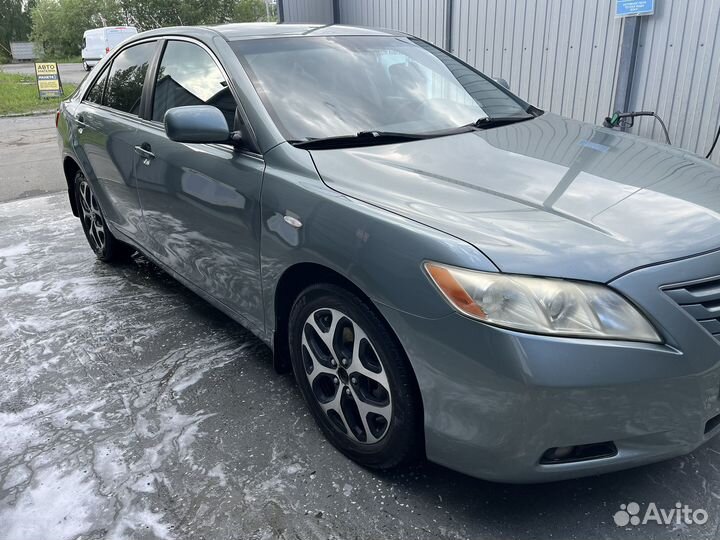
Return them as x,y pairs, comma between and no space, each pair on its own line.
92,217
346,376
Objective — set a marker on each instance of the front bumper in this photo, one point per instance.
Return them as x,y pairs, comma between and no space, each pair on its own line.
495,401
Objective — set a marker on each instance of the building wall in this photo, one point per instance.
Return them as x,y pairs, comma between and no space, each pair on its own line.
423,18
563,55
678,73
307,11
558,55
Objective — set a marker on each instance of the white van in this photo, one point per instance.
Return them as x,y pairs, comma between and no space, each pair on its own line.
99,41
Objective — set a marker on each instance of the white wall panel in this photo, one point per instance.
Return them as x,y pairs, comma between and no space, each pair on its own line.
308,11
678,73
558,55
422,18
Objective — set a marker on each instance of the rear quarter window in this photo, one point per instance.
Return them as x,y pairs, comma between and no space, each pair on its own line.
95,95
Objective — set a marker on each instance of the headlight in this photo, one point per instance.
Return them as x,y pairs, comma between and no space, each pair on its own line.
542,305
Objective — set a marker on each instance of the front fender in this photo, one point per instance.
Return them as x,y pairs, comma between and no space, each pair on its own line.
380,252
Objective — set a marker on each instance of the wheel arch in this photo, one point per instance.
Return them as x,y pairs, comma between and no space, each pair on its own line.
70,169
291,283
297,278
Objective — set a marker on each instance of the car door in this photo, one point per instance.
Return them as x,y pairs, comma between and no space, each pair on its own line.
107,123
201,202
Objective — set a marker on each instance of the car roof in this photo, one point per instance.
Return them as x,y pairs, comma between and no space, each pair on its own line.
106,28
236,31
254,30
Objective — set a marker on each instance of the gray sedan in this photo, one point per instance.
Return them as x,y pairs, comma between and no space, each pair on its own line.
449,272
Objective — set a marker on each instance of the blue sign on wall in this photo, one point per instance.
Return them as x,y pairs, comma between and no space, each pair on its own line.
630,8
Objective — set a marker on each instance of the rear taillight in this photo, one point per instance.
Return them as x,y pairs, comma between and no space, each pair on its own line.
107,50
57,117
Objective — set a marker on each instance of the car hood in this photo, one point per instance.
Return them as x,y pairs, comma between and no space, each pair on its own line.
549,196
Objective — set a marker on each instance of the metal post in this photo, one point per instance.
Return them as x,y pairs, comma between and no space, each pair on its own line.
281,11
626,67
448,25
336,11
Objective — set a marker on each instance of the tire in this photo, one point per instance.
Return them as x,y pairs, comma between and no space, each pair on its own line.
106,247
328,326
86,66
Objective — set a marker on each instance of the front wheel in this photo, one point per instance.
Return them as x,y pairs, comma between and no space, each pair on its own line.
105,246
355,378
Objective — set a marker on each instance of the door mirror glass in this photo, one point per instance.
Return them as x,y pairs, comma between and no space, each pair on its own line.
196,124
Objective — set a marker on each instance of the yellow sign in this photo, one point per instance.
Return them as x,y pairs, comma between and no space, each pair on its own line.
48,79
46,68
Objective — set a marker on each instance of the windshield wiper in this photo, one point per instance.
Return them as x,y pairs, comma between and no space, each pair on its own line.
361,138
370,138
488,122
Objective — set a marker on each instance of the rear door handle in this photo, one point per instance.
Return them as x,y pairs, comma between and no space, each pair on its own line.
145,151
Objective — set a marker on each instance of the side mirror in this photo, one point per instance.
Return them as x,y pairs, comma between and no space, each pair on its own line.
502,82
196,124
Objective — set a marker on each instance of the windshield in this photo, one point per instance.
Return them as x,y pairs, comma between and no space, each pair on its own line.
317,87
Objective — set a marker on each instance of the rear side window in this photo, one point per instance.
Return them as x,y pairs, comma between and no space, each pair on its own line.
126,78
188,76
95,95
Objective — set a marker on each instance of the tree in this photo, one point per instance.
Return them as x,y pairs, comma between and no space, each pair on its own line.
58,25
253,10
147,14
15,25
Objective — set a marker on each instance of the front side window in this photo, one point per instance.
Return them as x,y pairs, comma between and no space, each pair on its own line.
126,78
188,76
316,87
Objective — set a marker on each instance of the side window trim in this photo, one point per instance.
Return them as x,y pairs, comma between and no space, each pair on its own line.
106,76
148,91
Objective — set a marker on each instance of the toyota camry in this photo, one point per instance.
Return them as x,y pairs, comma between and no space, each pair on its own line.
449,271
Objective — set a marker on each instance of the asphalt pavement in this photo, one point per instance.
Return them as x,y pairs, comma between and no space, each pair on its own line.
69,73
29,157
130,408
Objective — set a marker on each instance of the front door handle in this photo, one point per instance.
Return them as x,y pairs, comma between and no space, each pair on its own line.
145,151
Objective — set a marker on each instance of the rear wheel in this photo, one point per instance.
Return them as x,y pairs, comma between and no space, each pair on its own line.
86,66
355,378
105,246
